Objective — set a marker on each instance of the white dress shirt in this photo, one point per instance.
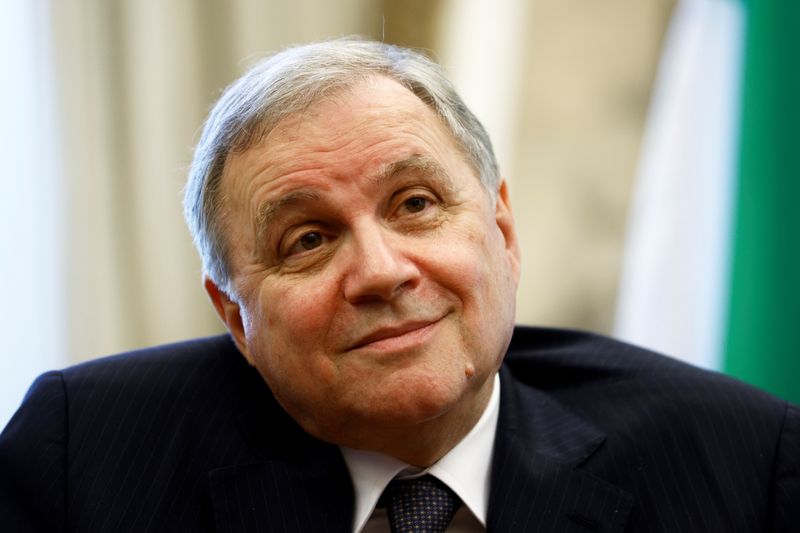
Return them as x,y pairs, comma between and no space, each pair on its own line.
465,469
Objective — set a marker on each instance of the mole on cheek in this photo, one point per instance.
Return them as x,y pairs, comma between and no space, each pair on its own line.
469,371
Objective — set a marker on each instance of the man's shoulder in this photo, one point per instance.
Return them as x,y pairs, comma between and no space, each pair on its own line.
134,436
654,427
602,378
571,353
190,351
176,372
189,356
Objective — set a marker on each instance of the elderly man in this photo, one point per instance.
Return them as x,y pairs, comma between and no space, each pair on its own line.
358,244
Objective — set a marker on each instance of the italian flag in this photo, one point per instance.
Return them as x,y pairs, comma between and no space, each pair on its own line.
712,265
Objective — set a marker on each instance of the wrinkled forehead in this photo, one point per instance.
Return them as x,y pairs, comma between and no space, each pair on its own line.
357,112
376,110
299,109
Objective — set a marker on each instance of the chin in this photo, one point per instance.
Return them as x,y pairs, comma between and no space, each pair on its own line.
414,401
391,409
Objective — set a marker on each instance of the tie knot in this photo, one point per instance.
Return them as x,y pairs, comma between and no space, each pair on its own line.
421,505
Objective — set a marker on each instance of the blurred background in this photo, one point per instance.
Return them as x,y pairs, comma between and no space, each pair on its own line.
616,122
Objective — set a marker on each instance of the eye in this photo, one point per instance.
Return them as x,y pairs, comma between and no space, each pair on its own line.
306,242
415,204
311,240
305,247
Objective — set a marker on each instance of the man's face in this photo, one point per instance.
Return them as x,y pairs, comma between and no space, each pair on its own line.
374,276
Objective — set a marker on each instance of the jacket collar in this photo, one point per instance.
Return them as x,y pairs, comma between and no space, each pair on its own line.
537,483
288,481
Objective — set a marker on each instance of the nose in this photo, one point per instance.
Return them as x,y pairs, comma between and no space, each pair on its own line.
377,265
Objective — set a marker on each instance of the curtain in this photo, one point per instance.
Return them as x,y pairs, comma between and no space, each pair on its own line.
30,323
136,79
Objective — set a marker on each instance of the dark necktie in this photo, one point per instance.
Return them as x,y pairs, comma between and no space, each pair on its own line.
421,505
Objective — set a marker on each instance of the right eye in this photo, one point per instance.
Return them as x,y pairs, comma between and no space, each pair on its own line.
307,242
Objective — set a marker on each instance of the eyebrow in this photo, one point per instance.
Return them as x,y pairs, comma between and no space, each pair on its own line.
270,210
420,163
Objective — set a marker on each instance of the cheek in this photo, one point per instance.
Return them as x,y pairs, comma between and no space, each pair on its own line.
476,268
469,265
288,336
298,311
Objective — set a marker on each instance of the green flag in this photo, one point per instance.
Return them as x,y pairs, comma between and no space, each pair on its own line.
763,327
712,266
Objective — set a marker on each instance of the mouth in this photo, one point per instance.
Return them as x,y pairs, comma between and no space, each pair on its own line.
400,336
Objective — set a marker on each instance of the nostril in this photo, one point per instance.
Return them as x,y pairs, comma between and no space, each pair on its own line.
408,284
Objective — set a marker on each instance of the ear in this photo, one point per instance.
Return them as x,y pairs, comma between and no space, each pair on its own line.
505,221
230,313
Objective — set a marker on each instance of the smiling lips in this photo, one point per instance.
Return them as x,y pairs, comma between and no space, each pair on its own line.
397,337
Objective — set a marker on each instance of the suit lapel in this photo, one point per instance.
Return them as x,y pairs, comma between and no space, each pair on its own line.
536,481
290,482
279,496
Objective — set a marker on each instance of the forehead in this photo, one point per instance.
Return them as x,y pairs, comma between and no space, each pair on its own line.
369,122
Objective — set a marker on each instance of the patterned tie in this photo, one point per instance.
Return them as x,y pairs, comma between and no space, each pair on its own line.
421,505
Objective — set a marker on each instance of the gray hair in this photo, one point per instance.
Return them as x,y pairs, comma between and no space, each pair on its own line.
287,83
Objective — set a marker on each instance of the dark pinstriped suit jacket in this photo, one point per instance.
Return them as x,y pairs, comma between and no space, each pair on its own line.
593,435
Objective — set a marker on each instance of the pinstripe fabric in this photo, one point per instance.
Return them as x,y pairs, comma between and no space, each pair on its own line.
593,435
695,451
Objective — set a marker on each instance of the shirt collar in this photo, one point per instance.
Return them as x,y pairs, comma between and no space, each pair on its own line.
465,469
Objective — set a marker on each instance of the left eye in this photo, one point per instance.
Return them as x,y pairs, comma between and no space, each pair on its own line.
415,204
309,241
